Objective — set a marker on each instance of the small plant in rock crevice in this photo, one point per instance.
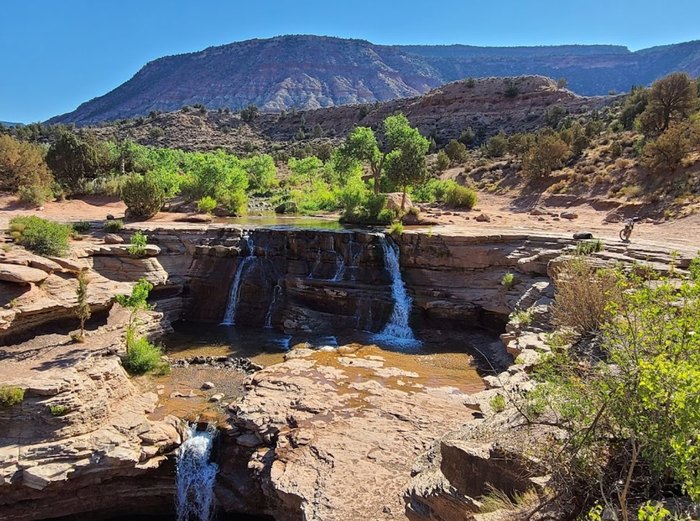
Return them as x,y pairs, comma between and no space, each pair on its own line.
59,410
508,280
138,244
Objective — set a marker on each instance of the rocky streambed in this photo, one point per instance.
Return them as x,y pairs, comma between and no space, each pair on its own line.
345,431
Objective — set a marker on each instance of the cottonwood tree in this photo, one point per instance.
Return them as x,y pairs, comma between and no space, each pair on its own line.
406,163
405,148
361,145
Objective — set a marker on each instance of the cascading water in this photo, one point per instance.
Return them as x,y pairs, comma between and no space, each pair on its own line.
234,295
270,310
397,327
196,476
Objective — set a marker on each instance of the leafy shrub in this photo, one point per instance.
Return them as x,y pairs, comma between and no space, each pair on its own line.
456,151
460,197
143,196
41,236
497,145
206,204
433,190
498,403
443,161
545,155
508,280
141,355
138,244
113,225
666,153
11,396
33,195
396,229
81,226
589,247
632,411
59,410
23,170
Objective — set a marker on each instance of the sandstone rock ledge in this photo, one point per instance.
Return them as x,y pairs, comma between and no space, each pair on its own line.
80,441
332,437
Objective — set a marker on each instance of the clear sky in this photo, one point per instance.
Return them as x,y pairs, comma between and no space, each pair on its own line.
55,54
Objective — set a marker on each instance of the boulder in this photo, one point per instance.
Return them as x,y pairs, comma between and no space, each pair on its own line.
195,218
483,218
113,238
393,202
21,274
583,235
569,215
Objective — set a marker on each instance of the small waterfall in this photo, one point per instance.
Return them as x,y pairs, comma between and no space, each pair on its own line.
234,295
196,476
271,309
398,326
339,269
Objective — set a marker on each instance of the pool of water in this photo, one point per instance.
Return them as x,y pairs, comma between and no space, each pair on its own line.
273,220
438,363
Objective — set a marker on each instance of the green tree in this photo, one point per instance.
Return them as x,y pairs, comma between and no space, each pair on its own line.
670,99
634,104
666,152
22,166
456,152
249,113
262,173
361,145
73,159
442,162
406,163
546,154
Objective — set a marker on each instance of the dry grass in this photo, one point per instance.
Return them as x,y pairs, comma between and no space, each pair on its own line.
583,295
497,500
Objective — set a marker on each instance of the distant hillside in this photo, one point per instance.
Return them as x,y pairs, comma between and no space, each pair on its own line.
309,72
10,124
443,114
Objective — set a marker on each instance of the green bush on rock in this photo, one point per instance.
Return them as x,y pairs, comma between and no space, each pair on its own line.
143,196
11,396
41,236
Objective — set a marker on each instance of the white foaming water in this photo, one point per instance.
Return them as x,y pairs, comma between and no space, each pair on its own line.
271,309
196,476
234,295
397,329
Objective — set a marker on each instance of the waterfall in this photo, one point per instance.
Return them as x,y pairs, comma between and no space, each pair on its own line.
195,476
271,309
234,294
398,326
339,269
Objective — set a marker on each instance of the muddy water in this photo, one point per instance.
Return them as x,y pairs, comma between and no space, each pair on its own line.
445,364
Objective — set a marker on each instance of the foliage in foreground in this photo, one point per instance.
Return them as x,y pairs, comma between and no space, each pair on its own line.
142,356
41,236
631,402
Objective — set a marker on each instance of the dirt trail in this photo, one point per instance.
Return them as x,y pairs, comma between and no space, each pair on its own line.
505,216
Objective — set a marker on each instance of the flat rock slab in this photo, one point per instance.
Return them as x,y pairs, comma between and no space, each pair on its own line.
21,274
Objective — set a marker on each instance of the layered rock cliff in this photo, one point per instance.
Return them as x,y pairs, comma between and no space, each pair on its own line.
309,72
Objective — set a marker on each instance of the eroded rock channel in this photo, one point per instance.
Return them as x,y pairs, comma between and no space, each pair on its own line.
330,419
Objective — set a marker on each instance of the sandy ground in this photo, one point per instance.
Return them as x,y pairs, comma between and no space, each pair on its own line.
505,216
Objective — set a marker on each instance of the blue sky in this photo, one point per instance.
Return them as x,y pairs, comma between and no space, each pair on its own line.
55,54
